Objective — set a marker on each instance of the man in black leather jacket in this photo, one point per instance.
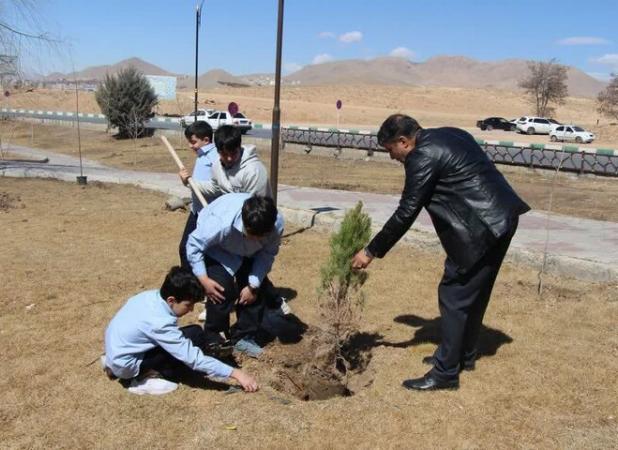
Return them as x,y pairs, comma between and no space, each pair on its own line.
475,213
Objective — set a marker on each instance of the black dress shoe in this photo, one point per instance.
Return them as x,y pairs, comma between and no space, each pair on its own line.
468,366
430,383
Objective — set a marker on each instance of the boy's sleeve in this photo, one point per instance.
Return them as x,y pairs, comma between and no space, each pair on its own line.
170,338
207,233
264,259
209,188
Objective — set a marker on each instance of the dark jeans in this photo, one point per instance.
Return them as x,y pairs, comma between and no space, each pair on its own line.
164,363
248,317
182,248
463,299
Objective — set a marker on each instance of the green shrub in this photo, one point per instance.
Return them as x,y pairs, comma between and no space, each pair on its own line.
127,99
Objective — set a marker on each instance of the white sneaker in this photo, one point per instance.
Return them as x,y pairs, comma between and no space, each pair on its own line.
152,386
285,308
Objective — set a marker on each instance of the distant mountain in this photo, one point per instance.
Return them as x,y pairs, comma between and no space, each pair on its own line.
99,72
452,71
449,71
212,78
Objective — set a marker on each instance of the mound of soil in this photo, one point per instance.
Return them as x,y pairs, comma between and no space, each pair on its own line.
307,370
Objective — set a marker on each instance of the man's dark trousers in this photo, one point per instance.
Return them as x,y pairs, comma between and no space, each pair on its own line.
463,299
182,248
248,317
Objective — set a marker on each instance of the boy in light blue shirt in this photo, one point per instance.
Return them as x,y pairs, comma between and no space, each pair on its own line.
231,251
144,338
199,136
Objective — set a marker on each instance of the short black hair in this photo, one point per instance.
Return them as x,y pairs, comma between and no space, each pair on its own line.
181,284
259,215
200,129
396,126
228,138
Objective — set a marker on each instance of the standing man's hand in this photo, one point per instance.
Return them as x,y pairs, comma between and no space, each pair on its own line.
248,295
214,291
361,260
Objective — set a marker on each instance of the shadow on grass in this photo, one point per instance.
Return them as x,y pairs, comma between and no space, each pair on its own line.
428,331
490,339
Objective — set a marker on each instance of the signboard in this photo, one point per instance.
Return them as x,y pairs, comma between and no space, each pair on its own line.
164,87
232,108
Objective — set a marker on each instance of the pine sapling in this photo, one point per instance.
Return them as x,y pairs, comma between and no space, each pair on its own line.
340,297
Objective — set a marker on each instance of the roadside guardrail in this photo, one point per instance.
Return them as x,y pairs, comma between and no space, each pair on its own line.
570,158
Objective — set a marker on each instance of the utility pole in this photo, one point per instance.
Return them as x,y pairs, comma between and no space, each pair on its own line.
276,124
198,14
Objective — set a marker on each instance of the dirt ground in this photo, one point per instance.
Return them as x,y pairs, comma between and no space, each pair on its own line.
588,197
72,255
364,106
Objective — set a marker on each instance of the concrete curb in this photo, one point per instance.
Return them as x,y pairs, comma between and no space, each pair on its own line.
557,265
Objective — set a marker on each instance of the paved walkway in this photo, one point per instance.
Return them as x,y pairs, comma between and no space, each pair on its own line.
580,248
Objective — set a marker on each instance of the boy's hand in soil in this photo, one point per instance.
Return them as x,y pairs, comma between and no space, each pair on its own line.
247,382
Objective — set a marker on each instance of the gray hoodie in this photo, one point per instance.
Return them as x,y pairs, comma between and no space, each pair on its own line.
247,175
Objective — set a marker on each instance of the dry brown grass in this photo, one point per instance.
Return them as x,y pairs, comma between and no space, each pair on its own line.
595,198
72,255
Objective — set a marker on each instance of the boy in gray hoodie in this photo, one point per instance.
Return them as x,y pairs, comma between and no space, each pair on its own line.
238,169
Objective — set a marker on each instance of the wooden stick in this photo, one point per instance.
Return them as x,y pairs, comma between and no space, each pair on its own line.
181,166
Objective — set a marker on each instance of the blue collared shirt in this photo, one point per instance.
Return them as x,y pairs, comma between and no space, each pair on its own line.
146,321
202,171
220,235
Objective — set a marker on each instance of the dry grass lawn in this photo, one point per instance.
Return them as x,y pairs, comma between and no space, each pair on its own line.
589,197
72,255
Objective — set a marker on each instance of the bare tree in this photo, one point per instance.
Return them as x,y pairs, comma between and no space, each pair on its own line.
21,34
545,84
608,99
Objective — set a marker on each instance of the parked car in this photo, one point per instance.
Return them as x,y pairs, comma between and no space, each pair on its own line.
498,123
201,114
218,118
534,125
571,133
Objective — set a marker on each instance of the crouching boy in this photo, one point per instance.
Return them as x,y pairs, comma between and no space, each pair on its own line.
144,344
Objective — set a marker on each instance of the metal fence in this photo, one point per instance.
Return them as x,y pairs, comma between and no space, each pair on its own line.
598,161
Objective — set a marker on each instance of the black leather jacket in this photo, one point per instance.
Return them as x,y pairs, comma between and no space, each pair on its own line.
470,203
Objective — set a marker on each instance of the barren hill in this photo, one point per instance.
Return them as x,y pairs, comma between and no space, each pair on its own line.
448,71
99,72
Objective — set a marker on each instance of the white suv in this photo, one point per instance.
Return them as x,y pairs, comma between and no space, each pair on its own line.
571,133
534,125
218,118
